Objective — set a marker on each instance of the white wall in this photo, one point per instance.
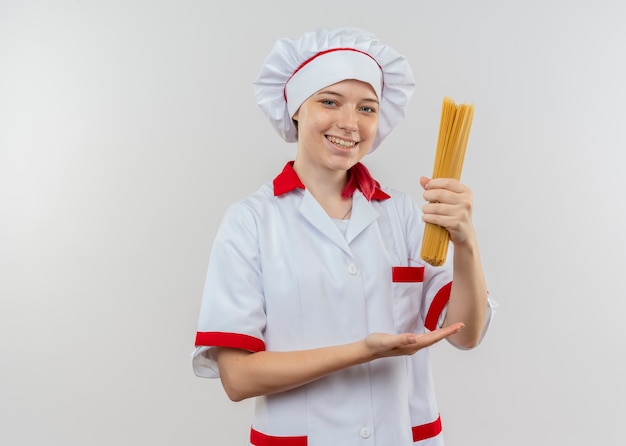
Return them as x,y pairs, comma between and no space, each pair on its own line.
127,127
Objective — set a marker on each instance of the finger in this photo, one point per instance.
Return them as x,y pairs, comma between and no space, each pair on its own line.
452,328
446,196
424,182
430,338
438,208
445,221
450,184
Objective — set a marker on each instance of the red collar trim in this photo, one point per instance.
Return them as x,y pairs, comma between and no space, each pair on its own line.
288,180
379,195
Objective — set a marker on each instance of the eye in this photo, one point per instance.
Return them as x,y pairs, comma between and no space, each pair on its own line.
368,109
328,102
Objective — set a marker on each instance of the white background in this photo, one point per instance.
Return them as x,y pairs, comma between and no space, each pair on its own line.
127,127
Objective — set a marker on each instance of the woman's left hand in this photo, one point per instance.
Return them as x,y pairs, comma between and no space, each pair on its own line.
450,206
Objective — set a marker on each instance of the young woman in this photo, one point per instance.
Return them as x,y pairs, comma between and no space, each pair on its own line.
316,300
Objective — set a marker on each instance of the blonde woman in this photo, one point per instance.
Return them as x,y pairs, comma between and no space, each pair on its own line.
316,300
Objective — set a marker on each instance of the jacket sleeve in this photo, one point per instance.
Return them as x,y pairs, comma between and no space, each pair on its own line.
232,311
437,280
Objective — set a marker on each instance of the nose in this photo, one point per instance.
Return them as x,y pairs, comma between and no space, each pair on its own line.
348,121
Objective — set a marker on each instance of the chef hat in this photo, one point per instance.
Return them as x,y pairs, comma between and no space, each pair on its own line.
296,69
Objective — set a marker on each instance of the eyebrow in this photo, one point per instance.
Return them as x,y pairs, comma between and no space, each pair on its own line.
334,93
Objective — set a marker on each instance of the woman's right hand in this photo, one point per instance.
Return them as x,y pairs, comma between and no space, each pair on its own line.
381,345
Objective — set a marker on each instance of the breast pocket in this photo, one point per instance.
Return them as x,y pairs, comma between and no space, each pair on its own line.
406,287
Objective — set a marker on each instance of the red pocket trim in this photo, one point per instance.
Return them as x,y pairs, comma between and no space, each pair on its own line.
407,273
259,439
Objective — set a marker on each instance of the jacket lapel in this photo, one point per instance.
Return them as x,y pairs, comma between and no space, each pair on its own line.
363,214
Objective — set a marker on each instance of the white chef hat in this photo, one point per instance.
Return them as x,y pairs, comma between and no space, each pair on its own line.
296,69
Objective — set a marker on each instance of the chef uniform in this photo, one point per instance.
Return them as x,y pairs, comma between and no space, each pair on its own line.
284,276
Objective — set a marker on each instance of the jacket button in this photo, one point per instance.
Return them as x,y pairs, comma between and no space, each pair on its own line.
365,432
353,269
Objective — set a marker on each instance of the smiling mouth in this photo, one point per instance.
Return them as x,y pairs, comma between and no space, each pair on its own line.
341,142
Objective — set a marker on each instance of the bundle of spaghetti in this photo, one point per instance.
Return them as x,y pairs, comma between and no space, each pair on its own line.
454,129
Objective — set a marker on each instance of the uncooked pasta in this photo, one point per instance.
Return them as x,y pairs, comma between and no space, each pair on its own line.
454,130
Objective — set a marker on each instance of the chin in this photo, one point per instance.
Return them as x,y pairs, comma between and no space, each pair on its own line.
343,163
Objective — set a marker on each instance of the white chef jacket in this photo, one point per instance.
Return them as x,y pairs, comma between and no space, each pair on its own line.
283,277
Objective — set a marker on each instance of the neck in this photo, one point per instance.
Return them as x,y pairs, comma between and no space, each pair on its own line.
323,182
326,186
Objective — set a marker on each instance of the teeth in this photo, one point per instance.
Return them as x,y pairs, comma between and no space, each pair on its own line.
341,142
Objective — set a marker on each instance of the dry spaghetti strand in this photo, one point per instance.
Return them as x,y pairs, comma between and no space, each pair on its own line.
454,129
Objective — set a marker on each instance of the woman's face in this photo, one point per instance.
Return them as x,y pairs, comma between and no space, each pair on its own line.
337,125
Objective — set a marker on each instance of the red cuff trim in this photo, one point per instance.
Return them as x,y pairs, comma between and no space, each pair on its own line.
407,273
426,431
233,340
436,307
259,439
